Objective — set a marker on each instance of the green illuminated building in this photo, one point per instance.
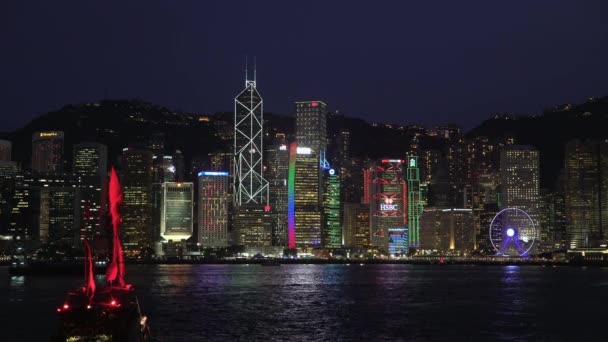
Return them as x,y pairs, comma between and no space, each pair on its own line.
414,201
332,233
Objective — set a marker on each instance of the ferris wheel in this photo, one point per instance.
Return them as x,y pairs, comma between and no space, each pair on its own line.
512,232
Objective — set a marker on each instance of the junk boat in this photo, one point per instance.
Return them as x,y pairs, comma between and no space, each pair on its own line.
111,313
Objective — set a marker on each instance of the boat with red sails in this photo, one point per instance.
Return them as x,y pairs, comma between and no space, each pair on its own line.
109,313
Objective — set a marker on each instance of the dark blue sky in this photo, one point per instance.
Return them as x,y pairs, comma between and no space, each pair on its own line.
424,62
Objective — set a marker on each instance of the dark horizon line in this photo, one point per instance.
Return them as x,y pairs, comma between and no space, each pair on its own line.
587,99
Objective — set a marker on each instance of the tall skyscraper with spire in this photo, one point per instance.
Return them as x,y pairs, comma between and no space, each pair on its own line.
252,219
250,187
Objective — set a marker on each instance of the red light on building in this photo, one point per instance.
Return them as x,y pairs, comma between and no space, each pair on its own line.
267,208
314,104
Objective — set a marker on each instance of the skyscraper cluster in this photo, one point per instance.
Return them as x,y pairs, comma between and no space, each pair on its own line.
302,188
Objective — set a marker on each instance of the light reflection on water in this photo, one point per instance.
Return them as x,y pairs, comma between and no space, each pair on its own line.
338,302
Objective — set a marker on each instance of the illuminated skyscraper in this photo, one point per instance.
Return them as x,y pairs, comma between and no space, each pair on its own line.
47,152
519,170
137,231
311,125
8,173
278,166
213,197
447,231
388,200
332,229
90,164
5,150
46,208
311,139
586,193
176,211
253,225
252,212
356,226
250,185
304,206
414,201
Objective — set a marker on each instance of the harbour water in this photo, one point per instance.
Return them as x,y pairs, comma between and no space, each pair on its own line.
337,303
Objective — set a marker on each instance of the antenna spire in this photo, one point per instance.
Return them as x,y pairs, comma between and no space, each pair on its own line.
246,72
255,65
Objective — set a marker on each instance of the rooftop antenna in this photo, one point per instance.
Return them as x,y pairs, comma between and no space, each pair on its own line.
246,73
254,67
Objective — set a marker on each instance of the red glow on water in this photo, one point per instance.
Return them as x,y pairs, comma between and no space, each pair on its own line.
65,306
113,303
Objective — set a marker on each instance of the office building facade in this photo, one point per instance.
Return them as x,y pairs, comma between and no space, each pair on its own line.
213,198
47,152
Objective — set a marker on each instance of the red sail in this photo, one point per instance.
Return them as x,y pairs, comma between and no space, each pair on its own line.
89,275
116,267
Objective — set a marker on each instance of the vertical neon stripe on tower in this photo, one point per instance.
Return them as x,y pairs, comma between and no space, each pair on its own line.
291,198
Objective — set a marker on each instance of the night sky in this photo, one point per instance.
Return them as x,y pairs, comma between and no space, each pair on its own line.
423,62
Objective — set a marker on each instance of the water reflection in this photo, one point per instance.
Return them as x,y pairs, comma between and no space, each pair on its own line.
336,302
17,282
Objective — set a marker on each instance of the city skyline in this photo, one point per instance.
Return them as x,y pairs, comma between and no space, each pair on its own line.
303,171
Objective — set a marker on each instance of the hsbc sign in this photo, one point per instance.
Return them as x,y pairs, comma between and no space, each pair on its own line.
389,207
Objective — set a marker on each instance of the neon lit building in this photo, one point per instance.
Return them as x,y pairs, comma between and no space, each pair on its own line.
213,193
252,212
176,211
250,185
367,182
47,152
414,201
388,201
291,198
332,229
397,241
304,207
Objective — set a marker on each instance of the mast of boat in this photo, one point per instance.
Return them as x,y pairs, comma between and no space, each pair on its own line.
89,274
115,269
